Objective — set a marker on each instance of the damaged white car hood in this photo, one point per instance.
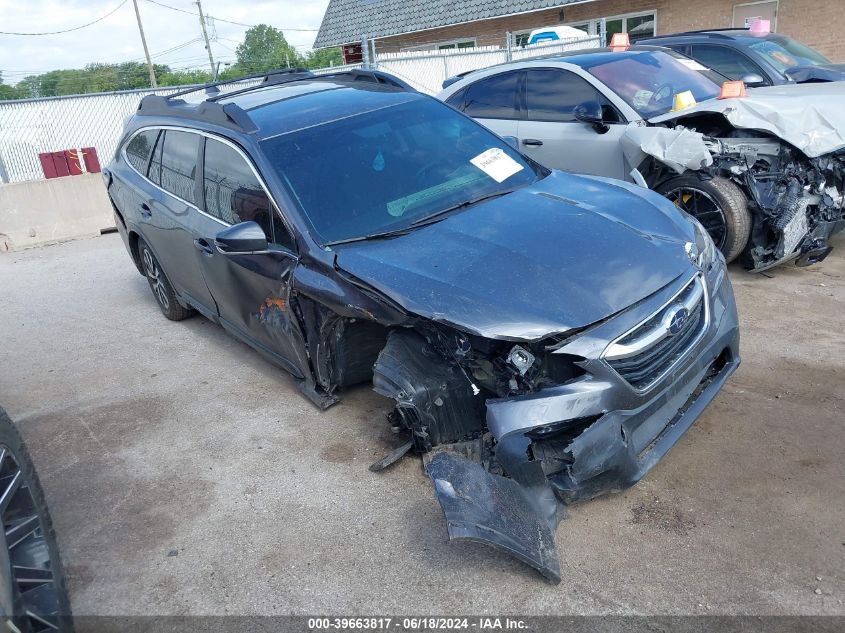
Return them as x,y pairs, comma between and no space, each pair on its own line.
810,117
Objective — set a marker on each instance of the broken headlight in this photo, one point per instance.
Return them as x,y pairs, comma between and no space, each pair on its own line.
703,252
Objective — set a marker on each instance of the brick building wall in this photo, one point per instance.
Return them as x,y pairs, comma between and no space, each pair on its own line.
815,22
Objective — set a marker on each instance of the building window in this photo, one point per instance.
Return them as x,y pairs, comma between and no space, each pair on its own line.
467,42
637,25
456,44
520,38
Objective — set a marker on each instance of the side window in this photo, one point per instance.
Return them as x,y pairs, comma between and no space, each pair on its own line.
732,64
234,194
493,97
552,95
139,150
179,164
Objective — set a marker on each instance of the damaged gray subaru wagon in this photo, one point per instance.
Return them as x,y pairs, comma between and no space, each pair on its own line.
543,337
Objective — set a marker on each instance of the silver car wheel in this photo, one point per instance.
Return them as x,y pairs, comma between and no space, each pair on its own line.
154,275
29,598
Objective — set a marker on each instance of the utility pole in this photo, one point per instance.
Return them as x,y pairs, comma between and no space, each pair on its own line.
153,81
205,36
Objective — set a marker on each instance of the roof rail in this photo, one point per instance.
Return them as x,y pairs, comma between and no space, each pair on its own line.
231,115
372,76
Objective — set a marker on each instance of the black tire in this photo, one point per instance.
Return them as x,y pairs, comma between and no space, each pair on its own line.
159,284
728,221
38,590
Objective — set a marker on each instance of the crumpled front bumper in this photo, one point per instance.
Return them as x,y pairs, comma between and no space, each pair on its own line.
626,431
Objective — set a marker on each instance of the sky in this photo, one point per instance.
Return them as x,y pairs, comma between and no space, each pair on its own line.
116,38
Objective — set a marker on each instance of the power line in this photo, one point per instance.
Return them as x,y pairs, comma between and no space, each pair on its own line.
214,17
76,28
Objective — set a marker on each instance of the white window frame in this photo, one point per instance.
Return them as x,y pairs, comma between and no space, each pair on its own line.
748,4
594,24
515,34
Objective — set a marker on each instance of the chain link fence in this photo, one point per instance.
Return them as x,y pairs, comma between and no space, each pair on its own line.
33,126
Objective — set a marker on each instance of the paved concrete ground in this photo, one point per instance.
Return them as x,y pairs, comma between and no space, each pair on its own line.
154,436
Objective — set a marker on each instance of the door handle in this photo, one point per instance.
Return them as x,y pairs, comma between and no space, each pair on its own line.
204,246
532,141
145,210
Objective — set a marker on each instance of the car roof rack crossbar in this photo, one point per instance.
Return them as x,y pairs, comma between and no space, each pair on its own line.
214,87
274,78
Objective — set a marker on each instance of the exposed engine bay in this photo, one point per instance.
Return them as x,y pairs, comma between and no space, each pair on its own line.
782,146
799,201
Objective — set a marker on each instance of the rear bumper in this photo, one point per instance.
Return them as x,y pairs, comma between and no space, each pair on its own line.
627,432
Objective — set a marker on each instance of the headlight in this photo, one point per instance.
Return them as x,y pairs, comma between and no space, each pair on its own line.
703,253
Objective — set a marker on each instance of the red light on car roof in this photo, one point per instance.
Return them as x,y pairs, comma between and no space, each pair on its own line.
620,42
732,90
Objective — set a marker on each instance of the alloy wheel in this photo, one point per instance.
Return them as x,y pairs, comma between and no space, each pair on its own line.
701,205
29,600
154,275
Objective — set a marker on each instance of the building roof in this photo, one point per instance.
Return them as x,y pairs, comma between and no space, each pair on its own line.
346,21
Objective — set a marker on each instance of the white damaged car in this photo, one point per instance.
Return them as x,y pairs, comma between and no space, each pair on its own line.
764,172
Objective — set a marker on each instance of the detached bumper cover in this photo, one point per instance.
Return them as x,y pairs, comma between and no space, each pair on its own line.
632,431
487,508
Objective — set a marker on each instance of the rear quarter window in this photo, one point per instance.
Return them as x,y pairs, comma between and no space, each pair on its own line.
139,150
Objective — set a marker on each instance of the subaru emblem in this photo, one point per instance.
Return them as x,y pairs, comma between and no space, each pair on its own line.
675,320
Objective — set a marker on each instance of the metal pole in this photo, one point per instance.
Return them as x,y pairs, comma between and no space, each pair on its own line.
509,37
603,32
205,36
153,81
375,57
365,51
4,174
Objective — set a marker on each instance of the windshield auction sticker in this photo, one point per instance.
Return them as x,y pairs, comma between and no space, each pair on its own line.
496,164
692,64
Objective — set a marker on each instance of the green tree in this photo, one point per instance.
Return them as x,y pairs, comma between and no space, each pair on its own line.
323,58
184,78
265,48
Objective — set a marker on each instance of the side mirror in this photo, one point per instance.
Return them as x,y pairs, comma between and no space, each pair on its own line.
753,80
590,112
512,141
246,237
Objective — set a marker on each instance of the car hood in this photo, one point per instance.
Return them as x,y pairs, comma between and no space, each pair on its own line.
821,72
809,116
538,261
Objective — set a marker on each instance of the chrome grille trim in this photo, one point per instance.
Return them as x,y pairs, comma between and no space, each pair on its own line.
643,355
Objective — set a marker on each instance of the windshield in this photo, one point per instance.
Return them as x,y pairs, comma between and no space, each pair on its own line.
649,80
390,169
783,53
